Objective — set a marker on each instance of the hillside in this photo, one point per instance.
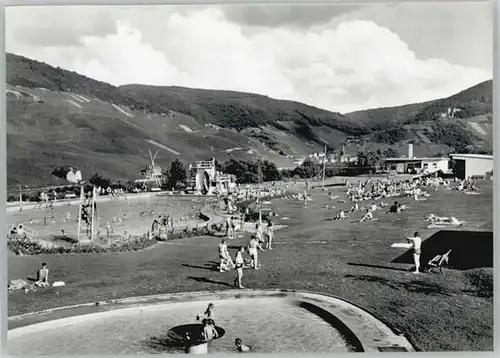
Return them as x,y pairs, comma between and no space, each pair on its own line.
430,126
60,118
474,101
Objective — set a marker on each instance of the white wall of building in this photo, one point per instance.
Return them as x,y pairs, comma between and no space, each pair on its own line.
478,166
436,165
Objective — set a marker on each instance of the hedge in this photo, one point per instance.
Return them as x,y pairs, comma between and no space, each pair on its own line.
24,246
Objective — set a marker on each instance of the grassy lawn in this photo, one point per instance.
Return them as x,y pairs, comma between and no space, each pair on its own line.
352,261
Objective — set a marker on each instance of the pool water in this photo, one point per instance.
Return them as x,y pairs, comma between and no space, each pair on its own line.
134,224
266,324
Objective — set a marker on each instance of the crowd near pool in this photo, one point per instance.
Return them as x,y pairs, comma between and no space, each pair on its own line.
131,214
347,257
265,324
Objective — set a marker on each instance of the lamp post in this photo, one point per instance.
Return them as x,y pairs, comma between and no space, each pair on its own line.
324,168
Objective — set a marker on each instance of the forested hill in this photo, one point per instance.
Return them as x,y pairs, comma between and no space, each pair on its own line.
59,118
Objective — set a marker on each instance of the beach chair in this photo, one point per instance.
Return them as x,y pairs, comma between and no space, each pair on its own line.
438,262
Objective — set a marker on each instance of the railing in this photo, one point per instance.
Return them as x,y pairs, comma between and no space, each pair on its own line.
225,177
30,233
202,165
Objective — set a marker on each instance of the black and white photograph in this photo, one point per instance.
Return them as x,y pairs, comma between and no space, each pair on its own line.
249,178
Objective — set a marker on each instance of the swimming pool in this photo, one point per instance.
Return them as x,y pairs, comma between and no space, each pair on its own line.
133,223
267,324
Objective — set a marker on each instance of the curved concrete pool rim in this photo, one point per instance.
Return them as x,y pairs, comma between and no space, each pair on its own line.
357,325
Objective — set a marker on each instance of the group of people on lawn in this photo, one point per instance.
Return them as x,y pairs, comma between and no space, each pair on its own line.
256,243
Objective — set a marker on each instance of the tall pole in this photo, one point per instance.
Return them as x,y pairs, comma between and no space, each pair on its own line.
20,195
82,199
260,173
92,214
324,168
259,190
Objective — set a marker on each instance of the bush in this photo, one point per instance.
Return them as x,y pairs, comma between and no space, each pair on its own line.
25,246
482,280
22,246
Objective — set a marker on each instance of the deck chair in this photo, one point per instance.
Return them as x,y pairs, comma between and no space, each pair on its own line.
438,262
456,222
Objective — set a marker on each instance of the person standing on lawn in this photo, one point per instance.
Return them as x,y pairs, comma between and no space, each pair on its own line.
239,262
270,235
225,259
253,247
416,241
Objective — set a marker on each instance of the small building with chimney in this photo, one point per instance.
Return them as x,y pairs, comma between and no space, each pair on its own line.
416,165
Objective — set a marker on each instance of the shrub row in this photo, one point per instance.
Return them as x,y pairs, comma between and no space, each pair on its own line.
173,234
33,247
22,246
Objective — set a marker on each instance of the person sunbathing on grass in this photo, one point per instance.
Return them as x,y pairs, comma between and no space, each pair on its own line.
42,276
454,221
394,208
402,207
470,188
425,194
435,218
340,216
354,208
417,198
367,216
445,221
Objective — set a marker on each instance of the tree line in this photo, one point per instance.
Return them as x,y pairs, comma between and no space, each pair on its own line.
176,176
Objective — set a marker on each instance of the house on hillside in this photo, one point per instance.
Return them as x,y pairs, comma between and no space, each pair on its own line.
450,113
344,155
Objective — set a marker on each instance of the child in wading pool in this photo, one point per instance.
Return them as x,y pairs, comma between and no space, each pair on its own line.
208,314
209,331
240,346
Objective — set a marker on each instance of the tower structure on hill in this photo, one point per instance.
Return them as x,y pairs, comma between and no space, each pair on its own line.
153,174
207,180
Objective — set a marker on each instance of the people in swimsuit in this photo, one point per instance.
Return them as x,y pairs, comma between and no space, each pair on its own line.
253,247
416,246
239,267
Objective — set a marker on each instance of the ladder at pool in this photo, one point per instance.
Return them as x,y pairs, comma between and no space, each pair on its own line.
30,233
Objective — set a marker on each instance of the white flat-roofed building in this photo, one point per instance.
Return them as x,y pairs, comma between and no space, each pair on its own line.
469,165
414,165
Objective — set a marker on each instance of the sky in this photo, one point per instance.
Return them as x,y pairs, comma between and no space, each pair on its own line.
337,57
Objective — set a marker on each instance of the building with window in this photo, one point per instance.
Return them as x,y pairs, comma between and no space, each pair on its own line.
416,165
